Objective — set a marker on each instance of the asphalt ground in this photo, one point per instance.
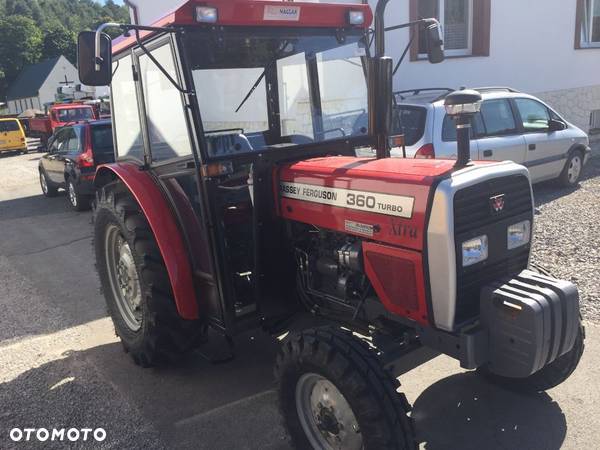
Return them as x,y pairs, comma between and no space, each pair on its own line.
62,367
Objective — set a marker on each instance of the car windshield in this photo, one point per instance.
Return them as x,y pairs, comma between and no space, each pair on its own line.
75,114
410,121
8,125
271,90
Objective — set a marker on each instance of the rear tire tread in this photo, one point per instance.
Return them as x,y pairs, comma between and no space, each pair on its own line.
166,335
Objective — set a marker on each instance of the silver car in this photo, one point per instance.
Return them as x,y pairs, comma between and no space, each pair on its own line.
511,126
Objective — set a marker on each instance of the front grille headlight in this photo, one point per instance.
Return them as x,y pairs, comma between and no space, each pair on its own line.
474,251
518,234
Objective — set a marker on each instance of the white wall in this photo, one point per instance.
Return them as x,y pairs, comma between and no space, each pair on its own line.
531,49
47,92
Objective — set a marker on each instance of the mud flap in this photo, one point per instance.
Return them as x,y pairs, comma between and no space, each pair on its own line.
531,320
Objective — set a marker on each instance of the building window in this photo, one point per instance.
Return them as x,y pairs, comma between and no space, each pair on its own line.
589,23
456,17
466,25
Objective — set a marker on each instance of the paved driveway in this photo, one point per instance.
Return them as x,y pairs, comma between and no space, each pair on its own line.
61,366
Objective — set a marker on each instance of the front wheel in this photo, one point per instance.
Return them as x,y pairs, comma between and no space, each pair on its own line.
334,394
136,284
571,174
48,188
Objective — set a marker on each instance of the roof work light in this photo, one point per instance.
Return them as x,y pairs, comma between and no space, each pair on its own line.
356,17
206,14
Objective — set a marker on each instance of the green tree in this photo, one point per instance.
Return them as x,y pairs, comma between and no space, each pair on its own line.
60,41
20,45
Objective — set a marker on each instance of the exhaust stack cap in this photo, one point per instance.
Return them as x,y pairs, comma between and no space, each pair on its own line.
461,102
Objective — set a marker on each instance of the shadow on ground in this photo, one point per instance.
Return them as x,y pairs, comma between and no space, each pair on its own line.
233,405
466,412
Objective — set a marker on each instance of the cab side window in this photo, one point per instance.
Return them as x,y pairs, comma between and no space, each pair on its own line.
126,114
534,115
166,118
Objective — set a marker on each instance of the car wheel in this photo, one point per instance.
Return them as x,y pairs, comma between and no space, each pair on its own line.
573,169
48,188
77,201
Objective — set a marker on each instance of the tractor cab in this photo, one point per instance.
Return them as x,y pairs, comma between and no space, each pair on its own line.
210,100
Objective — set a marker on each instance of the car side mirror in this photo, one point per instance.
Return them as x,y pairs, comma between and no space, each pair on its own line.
556,125
94,70
434,37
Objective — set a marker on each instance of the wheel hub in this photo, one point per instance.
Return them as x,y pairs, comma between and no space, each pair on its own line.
43,183
326,417
123,277
574,169
72,194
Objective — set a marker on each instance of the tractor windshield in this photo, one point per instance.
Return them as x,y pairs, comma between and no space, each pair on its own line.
273,89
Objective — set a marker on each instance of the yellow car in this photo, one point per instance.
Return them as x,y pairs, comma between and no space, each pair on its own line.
12,136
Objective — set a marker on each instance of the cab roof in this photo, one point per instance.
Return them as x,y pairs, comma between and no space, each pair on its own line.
259,13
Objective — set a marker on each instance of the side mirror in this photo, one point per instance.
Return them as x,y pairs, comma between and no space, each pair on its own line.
434,38
94,71
556,125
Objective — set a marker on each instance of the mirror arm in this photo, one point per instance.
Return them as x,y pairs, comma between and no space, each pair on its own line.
137,28
409,24
413,35
97,58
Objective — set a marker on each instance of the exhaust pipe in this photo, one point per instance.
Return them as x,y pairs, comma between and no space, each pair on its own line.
462,106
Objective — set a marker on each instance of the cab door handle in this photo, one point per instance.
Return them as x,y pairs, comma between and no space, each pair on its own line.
488,153
532,146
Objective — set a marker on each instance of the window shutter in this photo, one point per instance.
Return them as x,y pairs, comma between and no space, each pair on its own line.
578,23
482,22
413,14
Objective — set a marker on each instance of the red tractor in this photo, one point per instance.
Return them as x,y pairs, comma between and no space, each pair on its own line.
237,202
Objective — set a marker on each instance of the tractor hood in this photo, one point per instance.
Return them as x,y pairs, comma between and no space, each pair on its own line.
385,200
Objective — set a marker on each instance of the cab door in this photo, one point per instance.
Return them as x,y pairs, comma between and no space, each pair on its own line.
546,150
501,139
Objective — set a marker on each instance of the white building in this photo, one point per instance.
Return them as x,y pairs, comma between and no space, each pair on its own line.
550,48
38,84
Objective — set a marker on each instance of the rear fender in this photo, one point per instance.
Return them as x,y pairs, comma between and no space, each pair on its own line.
164,226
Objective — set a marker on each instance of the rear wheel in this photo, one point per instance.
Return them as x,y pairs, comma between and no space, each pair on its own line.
573,169
334,394
136,283
49,189
77,201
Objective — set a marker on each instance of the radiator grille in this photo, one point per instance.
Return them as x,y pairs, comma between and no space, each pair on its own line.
474,216
472,208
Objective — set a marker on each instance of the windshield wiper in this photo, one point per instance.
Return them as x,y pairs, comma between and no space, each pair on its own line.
262,75
254,86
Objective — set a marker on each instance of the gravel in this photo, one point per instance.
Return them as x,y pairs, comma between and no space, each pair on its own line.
567,234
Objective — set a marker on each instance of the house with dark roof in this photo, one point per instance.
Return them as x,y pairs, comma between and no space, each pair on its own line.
39,83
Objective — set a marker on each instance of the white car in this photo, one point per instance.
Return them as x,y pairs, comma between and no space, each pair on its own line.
511,126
